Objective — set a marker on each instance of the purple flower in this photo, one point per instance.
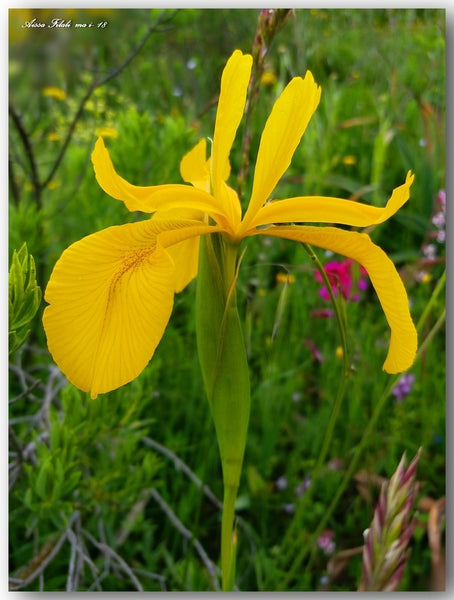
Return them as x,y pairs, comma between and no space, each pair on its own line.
281,482
326,543
403,386
439,220
441,200
430,251
441,236
302,487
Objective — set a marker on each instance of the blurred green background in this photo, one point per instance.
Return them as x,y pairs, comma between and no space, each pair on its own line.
101,495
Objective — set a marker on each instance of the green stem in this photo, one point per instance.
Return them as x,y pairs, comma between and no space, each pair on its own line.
225,370
432,300
340,315
228,545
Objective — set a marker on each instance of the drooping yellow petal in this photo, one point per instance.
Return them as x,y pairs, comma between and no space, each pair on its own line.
152,198
232,99
195,168
286,124
383,275
110,297
321,209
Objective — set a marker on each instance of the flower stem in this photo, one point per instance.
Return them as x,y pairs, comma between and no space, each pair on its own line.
340,316
225,370
228,542
439,287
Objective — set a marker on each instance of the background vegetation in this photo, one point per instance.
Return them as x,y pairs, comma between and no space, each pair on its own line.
121,493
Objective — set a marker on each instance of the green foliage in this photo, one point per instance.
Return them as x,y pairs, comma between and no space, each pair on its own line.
24,297
125,489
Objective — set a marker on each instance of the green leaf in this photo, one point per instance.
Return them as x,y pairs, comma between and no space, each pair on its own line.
44,478
24,297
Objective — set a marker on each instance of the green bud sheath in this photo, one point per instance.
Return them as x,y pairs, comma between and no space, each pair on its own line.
225,371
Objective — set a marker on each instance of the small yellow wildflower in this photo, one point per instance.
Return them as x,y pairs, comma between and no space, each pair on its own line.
349,160
339,352
54,92
285,278
53,136
108,132
268,78
53,184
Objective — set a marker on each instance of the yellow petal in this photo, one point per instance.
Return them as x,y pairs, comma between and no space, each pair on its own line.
149,198
174,232
181,240
321,209
194,167
286,124
185,256
232,99
110,297
383,275
185,253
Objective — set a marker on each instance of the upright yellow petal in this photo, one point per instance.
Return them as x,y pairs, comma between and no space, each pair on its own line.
110,297
149,198
195,168
383,275
232,99
321,209
286,124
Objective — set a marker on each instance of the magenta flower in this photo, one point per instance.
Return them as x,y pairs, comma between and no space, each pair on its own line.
342,281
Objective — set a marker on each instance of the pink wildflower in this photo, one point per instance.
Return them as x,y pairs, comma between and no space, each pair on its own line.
326,543
341,279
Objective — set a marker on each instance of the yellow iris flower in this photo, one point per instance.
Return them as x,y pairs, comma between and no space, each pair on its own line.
111,294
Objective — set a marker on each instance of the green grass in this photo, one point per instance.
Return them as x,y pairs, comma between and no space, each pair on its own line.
85,466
